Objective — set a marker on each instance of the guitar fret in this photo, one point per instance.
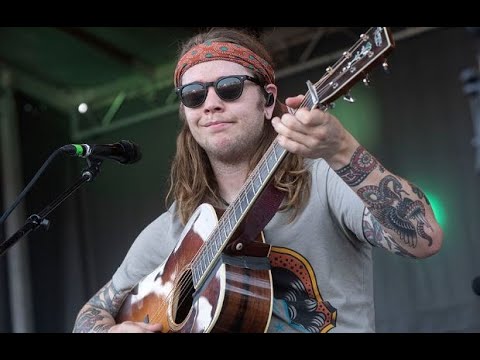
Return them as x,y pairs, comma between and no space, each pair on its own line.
271,162
274,153
218,242
205,261
210,251
244,202
203,267
237,213
240,202
266,164
279,151
224,232
250,193
263,172
257,182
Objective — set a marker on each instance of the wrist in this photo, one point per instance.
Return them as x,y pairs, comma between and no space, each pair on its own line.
361,164
344,155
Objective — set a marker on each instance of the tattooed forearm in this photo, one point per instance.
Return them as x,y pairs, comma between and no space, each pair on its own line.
376,236
99,313
87,319
109,299
404,220
361,165
403,215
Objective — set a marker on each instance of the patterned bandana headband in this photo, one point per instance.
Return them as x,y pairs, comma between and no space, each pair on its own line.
210,50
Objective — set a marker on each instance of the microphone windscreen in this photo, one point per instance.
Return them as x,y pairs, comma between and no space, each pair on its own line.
132,150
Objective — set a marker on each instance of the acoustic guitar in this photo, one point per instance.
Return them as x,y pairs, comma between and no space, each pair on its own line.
217,279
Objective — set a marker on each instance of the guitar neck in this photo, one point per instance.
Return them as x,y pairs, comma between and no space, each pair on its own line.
236,212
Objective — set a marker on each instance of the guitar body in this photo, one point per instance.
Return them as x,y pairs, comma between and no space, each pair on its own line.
236,295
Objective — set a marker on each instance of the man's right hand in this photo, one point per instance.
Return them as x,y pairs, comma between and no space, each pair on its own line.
135,327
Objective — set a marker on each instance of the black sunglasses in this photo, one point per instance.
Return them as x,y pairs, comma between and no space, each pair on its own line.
228,88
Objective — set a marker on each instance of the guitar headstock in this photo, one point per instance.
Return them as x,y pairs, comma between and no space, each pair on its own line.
372,48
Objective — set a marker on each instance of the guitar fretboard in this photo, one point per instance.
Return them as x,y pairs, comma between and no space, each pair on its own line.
234,214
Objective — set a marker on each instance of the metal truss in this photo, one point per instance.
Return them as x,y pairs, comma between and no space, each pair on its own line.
159,100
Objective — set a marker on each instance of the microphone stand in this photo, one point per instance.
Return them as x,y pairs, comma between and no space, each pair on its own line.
39,220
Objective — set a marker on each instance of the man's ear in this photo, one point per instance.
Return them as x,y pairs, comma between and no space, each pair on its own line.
270,99
271,91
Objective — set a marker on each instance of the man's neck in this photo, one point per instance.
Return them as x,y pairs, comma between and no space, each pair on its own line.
230,178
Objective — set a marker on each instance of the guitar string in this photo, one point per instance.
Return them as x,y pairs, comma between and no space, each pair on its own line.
186,282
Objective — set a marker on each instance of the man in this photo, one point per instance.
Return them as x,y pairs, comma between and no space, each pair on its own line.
337,200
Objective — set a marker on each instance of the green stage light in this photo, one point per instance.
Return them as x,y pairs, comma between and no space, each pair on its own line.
438,209
362,118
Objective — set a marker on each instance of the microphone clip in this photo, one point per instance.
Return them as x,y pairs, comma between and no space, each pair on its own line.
93,168
39,221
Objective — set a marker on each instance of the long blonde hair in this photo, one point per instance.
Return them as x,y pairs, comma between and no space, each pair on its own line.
191,176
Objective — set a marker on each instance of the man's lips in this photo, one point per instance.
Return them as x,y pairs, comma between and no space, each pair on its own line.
216,123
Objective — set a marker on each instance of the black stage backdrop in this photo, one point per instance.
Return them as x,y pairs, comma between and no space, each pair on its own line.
423,131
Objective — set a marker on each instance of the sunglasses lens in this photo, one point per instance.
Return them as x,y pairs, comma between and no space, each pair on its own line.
193,95
229,88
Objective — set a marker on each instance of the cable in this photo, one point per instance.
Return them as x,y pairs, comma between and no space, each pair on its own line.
29,186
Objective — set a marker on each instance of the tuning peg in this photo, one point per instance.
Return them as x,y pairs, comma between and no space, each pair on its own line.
364,37
385,66
349,98
331,105
366,80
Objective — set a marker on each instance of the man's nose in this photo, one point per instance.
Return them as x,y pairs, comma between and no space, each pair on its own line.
212,100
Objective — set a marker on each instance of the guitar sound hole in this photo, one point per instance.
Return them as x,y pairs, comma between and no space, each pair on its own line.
184,296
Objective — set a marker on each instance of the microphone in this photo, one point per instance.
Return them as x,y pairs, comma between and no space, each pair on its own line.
125,152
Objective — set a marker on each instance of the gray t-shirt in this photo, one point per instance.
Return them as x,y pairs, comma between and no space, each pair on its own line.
321,262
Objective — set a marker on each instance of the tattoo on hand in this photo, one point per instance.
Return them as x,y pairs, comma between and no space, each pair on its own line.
361,164
402,215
